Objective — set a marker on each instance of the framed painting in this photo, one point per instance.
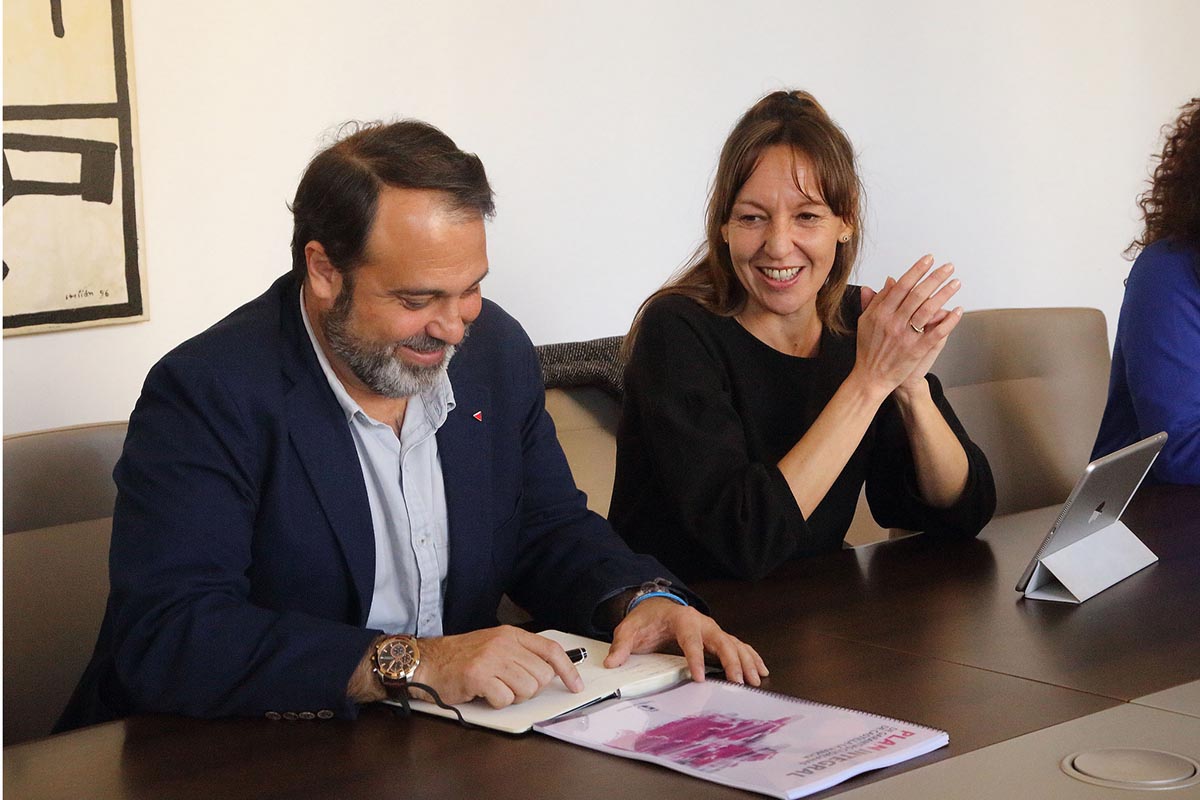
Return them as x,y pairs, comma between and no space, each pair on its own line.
72,210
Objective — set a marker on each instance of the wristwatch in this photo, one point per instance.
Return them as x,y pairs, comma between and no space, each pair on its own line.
395,660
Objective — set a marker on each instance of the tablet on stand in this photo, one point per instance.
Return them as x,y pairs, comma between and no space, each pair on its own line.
1088,548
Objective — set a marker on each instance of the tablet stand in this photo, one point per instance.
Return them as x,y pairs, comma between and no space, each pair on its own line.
1087,567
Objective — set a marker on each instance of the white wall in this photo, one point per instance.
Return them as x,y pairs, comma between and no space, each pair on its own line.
1011,138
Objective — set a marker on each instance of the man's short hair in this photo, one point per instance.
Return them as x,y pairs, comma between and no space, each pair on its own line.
337,197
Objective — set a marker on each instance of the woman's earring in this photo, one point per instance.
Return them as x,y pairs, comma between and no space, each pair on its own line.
844,238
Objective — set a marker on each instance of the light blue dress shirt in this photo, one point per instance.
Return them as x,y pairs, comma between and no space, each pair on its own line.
407,496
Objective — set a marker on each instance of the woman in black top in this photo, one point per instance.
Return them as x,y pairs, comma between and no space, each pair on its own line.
762,390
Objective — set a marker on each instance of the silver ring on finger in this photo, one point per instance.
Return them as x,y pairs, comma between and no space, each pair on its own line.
915,328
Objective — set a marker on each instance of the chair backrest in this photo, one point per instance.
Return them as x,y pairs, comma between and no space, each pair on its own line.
61,475
58,503
1030,385
584,384
586,421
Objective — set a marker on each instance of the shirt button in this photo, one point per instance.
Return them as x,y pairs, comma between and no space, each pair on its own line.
324,713
274,716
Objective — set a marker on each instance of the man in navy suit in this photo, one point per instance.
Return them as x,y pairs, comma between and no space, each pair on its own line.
323,497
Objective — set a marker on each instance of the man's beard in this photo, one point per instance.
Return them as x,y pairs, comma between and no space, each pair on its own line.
376,363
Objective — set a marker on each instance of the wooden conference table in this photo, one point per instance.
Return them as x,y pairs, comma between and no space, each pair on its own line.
927,632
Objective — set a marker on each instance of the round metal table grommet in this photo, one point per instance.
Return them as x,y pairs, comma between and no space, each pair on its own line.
1132,768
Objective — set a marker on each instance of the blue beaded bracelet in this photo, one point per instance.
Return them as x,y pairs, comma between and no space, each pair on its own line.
656,588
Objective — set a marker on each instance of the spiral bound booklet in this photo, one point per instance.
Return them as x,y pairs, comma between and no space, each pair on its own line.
761,741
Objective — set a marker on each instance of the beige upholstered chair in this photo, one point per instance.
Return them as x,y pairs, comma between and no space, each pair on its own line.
583,389
586,421
1029,385
58,504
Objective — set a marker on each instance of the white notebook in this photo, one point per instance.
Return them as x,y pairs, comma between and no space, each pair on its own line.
641,674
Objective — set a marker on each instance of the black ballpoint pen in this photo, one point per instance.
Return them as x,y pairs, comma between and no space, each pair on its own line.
577,655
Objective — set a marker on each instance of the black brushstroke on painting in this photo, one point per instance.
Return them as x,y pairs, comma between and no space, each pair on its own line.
56,18
97,165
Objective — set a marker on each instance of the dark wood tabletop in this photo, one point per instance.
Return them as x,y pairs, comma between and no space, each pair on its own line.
915,629
956,602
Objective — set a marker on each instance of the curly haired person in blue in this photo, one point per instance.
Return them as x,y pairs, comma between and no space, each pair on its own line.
1155,380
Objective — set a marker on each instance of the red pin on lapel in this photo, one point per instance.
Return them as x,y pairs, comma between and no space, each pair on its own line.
478,415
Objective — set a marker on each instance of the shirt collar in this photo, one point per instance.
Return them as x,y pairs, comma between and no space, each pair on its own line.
437,401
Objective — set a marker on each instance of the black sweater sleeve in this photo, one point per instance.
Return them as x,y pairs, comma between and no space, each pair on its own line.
892,491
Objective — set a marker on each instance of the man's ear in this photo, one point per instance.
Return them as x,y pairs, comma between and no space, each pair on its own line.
324,279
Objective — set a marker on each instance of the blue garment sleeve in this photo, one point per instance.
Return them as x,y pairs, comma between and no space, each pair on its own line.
568,560
188,636
1159,334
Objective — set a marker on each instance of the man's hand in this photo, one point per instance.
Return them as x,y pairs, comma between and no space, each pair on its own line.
659,621
502,665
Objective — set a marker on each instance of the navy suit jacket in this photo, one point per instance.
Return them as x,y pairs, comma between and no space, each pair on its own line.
242,563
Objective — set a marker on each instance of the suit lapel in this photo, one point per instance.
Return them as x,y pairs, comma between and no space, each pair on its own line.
318,430
465,446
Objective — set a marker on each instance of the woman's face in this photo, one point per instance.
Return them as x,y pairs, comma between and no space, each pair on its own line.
782,237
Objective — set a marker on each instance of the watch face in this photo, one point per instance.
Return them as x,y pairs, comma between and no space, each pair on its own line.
396,659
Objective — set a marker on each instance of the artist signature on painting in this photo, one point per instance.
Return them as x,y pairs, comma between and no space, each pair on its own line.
85,294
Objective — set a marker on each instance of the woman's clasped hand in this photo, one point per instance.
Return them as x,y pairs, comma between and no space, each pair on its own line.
905,325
